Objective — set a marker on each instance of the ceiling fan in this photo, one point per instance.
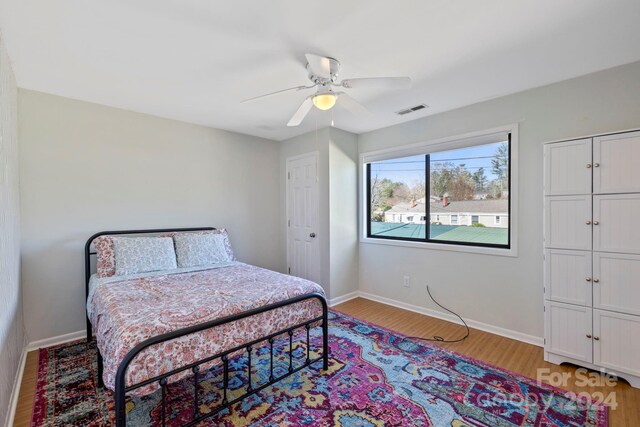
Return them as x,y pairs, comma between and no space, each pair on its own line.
323,73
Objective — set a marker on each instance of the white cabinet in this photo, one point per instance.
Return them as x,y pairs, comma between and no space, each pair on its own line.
615,163
615,219
569,167
574,338
614,345
568,222
616,282
592,253
568,276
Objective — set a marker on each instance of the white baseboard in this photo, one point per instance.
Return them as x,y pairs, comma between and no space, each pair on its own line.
60,339
15,392
508,333
343,298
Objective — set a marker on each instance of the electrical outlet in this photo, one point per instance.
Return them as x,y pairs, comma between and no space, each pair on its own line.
406,282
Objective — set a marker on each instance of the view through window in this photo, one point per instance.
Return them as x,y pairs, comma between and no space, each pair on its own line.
458,196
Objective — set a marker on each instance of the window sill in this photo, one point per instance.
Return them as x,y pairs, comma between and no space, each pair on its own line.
511,252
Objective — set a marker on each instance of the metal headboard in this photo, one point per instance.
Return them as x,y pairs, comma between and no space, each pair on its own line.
88,254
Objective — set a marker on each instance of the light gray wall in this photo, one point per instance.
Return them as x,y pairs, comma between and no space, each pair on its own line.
11,326
87,168
500,291
343,212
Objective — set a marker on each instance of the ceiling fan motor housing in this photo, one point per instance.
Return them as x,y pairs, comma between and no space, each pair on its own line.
334,66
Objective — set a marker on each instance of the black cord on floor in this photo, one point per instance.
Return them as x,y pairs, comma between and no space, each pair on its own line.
437,338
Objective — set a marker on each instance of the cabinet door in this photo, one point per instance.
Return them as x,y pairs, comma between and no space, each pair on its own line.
615,163
615,223
567,276
567,167
568,330
567,221
616,341
616,282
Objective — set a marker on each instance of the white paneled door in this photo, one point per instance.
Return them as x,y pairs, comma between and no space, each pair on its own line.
303,247
568,168
567,276
615,163
614,223
568,222
573,338
615,282
614,344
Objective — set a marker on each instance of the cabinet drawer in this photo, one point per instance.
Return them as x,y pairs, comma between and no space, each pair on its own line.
567,222
617,229
616,342
567,276
568,167
568,330
615,163
616,285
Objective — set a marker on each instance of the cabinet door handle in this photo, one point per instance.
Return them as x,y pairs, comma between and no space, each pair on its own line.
596,280
595,223
588,165
589,336
588,222
596,165
588,279
596,338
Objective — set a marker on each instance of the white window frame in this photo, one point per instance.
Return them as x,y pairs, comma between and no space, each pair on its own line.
498,220
443,144
456,219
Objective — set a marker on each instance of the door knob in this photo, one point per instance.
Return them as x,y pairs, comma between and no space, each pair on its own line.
588,223
588,279
588,336
312,235
596,338
595,223
596,280
596,165
588,165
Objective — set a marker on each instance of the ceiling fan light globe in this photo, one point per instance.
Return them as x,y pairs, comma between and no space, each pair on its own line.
324,101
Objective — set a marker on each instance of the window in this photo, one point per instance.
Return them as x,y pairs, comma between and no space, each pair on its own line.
396,187
473,179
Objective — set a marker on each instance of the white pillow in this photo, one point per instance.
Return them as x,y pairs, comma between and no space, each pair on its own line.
143,254
193,250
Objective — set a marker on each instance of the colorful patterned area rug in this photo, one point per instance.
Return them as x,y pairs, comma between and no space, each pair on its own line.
375,378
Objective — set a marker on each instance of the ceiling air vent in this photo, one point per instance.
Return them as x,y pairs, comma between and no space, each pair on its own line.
412,109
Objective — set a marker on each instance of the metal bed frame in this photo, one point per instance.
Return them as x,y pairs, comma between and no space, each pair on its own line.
121,388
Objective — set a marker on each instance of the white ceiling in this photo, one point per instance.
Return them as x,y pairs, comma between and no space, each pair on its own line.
195,60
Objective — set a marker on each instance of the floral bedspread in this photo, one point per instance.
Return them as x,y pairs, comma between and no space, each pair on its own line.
125,313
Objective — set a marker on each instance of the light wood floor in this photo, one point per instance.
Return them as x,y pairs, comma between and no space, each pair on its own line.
516,356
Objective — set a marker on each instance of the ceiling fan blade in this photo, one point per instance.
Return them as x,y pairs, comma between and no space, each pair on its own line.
322,66
377,82
302,112
266,95
352,105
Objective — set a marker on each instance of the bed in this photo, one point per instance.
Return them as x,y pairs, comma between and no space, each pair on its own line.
157,327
